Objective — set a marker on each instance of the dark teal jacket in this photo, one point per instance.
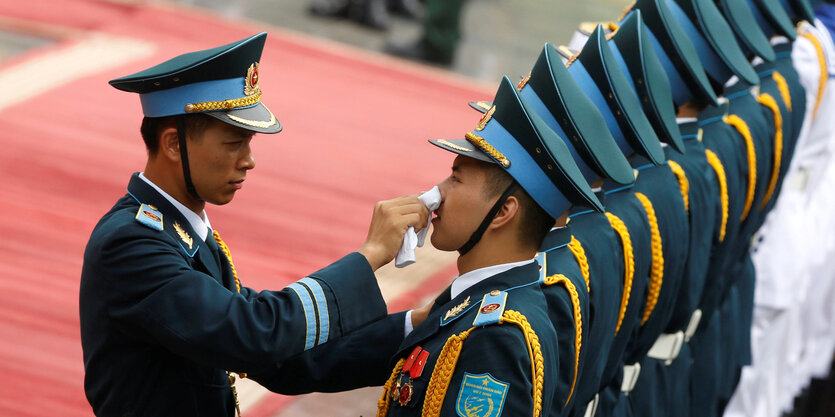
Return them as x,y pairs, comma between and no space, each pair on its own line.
557,255
622,203
162,321
492,374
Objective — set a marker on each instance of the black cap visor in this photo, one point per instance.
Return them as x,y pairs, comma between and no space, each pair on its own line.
257,118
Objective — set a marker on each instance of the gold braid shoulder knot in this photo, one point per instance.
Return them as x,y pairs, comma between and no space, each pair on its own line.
229,375
582,261
578,323
628,264
683,183
716,163
743,130
656,276
783,86
824,72
768,101
383,402
448,358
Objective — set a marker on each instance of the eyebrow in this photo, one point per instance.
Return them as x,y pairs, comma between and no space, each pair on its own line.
456,168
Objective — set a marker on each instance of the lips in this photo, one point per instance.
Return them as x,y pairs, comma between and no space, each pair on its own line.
237,184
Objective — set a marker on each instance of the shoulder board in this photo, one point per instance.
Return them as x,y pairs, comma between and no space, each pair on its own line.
491,309
541,259
149,216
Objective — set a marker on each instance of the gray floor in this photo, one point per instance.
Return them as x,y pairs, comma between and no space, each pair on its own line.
12,44
499,37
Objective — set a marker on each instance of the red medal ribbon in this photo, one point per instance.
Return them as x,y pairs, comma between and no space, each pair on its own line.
411,360
417,369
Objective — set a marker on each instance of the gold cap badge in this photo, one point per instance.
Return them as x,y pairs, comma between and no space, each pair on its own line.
252,78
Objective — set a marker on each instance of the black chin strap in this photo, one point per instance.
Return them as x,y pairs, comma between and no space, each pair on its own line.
181,135
476,236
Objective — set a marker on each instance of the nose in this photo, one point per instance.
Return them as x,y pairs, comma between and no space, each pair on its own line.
443,186
247,162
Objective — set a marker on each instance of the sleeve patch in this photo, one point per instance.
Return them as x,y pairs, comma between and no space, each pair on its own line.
481,396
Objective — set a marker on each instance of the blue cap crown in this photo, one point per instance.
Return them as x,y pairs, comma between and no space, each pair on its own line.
223,82
513,136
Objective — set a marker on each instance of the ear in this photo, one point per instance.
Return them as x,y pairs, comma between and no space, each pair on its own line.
510,210
169,143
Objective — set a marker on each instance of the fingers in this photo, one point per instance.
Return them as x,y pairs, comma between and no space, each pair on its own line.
411,212
389,223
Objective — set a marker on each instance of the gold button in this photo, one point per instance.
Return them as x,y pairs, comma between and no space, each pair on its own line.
506,163
189,108
495,292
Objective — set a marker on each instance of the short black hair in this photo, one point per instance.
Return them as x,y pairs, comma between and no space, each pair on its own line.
535,221
151,126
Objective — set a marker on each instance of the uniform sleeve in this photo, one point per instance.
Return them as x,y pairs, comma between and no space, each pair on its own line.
359,359
154,291
493,374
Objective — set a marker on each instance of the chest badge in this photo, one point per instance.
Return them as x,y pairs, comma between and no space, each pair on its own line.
454,311
184,236
405,393
481,396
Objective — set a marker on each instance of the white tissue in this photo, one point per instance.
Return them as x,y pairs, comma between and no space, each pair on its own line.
406,255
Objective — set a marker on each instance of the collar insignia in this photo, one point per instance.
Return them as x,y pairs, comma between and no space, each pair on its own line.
454,311
252,86
183,235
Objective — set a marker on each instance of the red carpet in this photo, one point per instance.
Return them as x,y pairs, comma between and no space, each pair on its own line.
355,132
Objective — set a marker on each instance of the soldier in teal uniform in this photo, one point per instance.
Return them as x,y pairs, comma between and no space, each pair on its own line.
561,103
553,95
755,44
488,346
658,190
648,78
784,65
796,105
609,257
723,58
166,325
786,126
614,95
637,136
